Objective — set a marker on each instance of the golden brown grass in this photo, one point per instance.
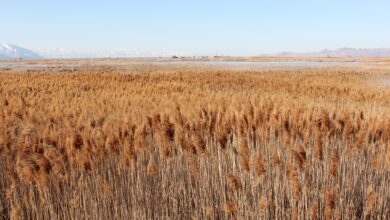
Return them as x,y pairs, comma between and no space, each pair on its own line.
204,143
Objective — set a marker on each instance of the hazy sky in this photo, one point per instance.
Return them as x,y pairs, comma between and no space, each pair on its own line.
211,27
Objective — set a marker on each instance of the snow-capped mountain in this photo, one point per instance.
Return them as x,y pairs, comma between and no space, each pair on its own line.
12,51
115,53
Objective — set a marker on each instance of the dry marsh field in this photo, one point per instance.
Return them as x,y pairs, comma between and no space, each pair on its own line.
195,143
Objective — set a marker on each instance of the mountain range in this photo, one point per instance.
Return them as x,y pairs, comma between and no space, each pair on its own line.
10,51
116,53
342,52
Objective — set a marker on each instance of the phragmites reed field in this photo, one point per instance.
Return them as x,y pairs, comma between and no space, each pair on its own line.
159,142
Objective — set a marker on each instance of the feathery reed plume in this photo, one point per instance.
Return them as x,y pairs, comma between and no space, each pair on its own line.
55,159
262,204
348,131
337,215
265,134
3,140
27,169
233,182
209,211
194,167
167,135
330,201
16,212
77,141
300,157
370,200
306,187
151,168
222,137
111,143
307,138
275,157
74,202
388,156
178,116
271,205
186,145
129,153
314,211
230,207
105,186
294,181
325,121
378,158
333,165
260,164
361,138
244,153
318,148
294,214
243,126
199,142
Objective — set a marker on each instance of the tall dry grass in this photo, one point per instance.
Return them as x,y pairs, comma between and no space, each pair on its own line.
284,143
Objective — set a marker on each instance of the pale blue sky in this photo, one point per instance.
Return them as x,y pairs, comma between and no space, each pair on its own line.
225,27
